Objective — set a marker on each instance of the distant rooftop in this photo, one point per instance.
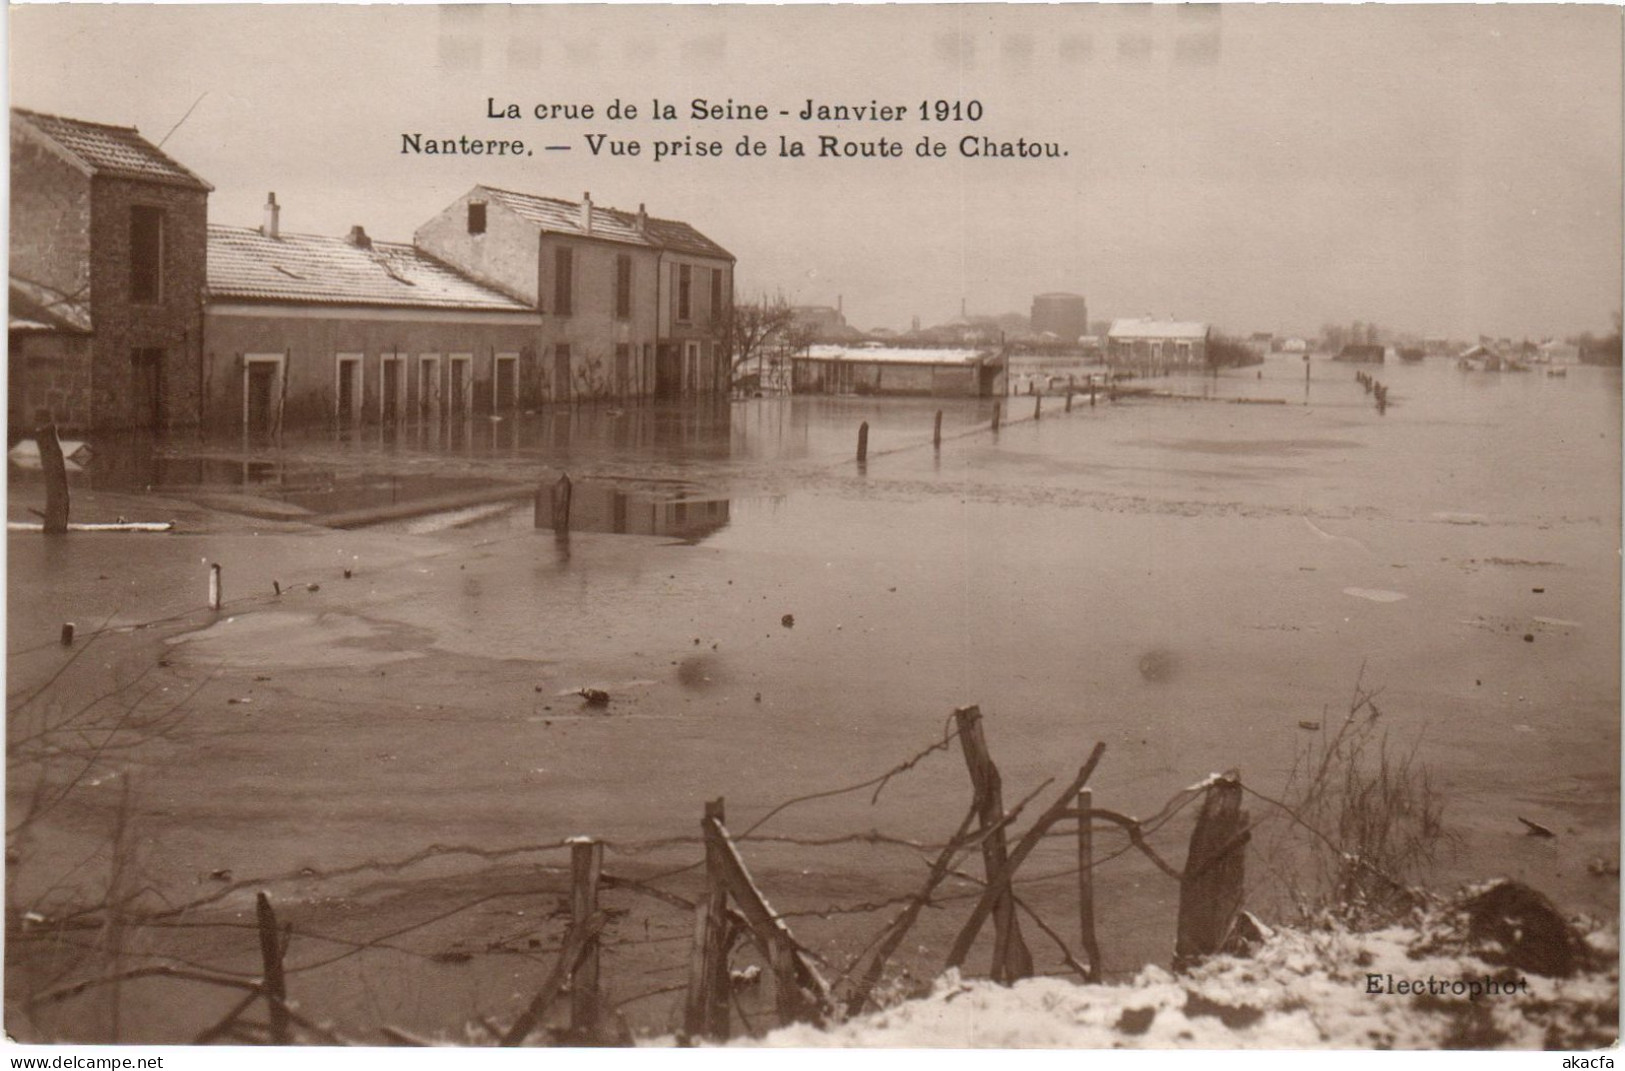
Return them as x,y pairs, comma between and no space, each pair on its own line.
247,265
896,354
109,150
1157,329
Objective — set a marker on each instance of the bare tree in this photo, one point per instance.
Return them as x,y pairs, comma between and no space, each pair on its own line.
754,328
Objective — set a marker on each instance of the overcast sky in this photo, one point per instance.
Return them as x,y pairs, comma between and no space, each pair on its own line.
1451,170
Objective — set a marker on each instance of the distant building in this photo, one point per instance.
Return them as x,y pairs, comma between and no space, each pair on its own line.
873,369
107,276
1157,345
1065,316
824,323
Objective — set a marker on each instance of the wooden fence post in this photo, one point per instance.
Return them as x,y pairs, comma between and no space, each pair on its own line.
216,595
794,976
56,480
706,1011
1215,870
1038,406
586,861
273,981
936,431
995,416
1011,959
1086,881
863,442
1069,397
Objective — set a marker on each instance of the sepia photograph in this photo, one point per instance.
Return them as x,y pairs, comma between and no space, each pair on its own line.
935,526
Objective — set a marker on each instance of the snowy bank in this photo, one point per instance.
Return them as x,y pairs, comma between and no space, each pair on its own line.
1422,986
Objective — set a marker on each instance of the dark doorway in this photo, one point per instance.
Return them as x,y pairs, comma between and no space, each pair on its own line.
507,374
668,371
260,415
561,372
392,390
346,399
147,389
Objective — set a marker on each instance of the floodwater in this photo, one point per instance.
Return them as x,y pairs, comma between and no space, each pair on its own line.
1185,580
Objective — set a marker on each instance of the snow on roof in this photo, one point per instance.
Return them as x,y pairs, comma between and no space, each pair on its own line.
612,224
895,354
1156,329
111,150
243,263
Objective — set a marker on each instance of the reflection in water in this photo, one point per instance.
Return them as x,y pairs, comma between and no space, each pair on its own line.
598,506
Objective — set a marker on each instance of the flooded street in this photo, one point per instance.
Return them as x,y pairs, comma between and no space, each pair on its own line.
1185,580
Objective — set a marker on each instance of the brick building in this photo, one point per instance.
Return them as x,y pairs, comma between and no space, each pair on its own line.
106,279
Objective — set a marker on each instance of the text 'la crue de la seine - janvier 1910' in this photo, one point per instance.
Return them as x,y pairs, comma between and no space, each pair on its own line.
925,129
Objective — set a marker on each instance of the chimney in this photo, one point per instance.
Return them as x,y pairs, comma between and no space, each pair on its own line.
272,211
586,213
358,238
643,218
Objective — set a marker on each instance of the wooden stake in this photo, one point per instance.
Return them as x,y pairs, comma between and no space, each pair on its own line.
1038,406
793,972
575,946
1086,882
936,431
863,441
1215,870
995,416
215,594
276,990
56,480
67,634
1069,397
1011,960
706,1012
586,861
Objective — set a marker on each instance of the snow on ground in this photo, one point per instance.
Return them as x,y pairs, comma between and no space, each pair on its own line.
1299,989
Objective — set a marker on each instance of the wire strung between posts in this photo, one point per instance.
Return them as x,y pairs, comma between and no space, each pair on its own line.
879,783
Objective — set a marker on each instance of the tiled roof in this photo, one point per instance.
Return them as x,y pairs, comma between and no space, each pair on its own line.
111,150
1154,329
35,307
677,235
611,224
247,265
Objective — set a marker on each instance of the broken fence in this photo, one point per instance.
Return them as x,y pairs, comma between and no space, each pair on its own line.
734,913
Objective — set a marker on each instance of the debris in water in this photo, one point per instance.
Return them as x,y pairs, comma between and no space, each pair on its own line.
1528,637
788,620
223,874
758,697
313,587
595,697
1535,828
235,701
1312,726
346,574
1603,868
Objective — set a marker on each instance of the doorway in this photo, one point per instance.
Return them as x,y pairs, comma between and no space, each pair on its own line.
429,388
348,389
262,393
462,384
392,387
147,389
507,381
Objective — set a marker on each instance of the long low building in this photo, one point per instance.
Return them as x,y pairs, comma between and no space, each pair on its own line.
1157,345
869,369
